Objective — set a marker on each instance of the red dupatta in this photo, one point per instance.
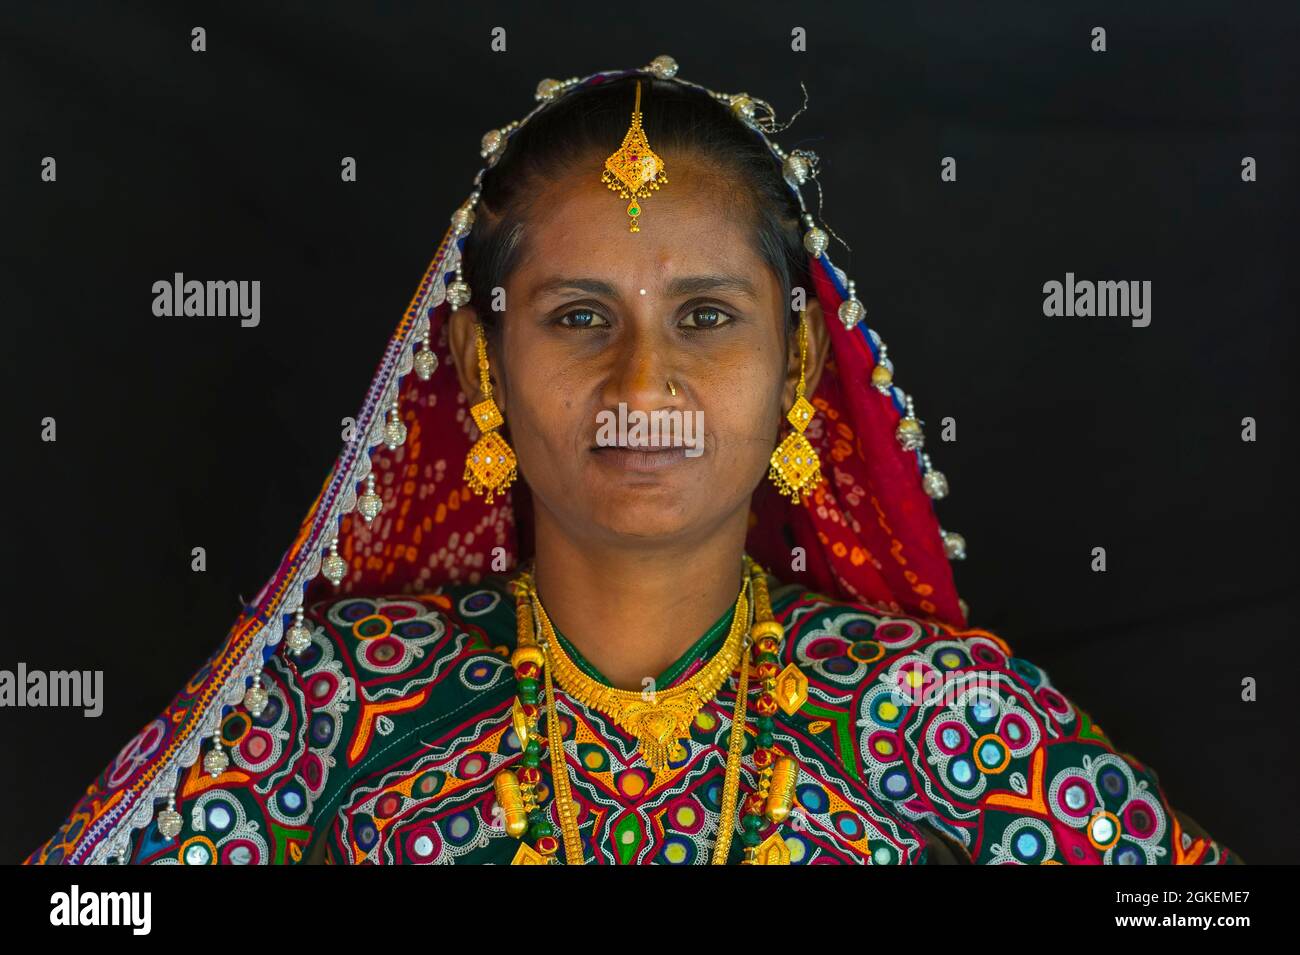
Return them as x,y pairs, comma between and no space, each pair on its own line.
869,533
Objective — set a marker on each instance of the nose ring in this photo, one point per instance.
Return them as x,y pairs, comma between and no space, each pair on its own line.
672,389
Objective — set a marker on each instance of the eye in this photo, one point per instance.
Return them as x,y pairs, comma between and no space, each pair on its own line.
706,316
582,318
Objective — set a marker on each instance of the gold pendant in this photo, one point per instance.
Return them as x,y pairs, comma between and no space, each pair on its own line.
634,170
795,467
659,727
791,689
520,722
772,851
490,464
527,855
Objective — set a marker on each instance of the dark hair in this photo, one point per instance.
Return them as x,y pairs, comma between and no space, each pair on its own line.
591,121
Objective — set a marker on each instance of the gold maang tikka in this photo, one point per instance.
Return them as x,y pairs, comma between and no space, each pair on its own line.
634,170
795,467
490,464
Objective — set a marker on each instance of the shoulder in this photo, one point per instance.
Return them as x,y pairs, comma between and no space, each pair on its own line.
956,731
840,643
389,637
427,654
378,670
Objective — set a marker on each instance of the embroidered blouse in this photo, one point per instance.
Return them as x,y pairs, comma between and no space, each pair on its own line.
917,743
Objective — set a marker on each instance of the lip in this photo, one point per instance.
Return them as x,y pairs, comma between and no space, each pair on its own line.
641,460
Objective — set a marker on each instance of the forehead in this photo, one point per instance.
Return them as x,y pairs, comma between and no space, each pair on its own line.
698,223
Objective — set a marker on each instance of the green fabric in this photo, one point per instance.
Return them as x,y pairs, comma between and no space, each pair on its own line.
700,648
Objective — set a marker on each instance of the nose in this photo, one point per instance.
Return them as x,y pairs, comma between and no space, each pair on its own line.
642,367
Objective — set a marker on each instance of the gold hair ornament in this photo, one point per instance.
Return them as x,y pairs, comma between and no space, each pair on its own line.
634,170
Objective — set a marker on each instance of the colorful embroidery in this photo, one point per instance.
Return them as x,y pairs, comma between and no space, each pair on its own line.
390,756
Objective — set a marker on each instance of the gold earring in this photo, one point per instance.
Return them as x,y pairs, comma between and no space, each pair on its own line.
490,464
795,467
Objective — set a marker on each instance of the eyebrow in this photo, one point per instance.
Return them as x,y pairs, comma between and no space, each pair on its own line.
681,286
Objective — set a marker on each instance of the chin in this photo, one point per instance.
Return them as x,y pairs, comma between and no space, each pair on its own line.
645,514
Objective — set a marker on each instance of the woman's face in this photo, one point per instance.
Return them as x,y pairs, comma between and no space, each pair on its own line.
597,316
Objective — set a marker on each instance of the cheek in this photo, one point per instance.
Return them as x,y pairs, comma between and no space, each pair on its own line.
743,412
544,408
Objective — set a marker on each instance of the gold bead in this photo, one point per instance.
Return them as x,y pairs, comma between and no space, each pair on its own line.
525,636
521,655
511,801
766,628
780,799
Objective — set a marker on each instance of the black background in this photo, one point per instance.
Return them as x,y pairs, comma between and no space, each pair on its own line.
1072,433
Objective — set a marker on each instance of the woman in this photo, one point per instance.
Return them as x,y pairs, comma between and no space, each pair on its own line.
387,697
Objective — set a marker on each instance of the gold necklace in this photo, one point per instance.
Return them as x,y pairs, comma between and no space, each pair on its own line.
517,793
659,719
730,787
735,743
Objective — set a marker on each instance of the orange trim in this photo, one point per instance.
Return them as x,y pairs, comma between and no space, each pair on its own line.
372,711
1191,856
197,781
1034,802
112,801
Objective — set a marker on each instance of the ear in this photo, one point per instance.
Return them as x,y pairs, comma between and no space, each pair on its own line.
463,344
819,344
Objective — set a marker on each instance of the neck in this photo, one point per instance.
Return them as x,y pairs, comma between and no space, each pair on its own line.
632,611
